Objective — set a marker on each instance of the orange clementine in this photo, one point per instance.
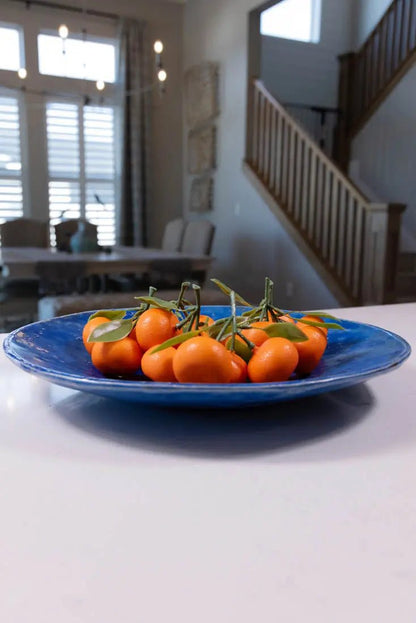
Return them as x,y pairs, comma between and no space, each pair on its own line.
255,333
274,360
310,351
205,320
239,369
89,328
118,358
202,359
313,319
159,366
287,318
155,326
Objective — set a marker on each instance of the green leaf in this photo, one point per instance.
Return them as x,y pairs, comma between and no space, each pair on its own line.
285,329
227,291
241,348
111,331
318,314
111,314
325,325
178,339
156,302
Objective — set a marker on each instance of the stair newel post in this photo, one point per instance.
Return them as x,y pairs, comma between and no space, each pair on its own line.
381,251
346,100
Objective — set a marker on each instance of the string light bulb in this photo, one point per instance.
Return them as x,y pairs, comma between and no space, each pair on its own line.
63,31
22,73
162,75
100,84
158,47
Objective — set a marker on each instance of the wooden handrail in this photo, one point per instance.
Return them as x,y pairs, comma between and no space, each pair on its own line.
354,241
380,62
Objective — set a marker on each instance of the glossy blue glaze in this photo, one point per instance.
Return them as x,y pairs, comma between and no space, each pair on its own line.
53,350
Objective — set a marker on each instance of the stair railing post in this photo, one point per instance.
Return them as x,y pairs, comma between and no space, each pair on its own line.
381,250
346,98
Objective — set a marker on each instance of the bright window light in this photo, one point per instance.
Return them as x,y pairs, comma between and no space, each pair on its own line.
299,20
10,48
75,58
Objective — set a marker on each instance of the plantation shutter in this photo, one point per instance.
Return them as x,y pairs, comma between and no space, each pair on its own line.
63,161
81,165
11,188
100,171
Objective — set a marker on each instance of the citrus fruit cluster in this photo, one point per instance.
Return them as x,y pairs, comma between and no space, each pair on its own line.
171,341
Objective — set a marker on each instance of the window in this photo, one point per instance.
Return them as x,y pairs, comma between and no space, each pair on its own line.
76,58
78,157
293,19
81,165
11,190
11,56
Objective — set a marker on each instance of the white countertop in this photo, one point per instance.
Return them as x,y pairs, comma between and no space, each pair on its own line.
303,512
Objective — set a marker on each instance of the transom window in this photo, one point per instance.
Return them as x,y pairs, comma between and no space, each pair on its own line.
76,58
299,20
10,48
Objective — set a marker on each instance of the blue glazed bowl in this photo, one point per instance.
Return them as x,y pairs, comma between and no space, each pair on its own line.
53,350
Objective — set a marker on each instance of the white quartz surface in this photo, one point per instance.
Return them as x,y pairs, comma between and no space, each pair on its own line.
301,512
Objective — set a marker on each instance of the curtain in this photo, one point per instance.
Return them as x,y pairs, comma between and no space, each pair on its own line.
135,79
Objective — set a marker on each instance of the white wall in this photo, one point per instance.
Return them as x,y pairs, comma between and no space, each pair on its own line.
249,242
368,13
165,22
307,73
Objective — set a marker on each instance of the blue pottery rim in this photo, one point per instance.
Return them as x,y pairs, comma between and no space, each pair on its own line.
197,394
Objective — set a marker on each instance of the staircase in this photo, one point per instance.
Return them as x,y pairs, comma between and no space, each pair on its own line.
350,241
367,76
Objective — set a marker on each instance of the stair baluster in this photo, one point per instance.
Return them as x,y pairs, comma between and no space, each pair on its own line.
351,242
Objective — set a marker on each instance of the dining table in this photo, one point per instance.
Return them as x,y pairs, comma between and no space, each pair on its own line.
303,510
26,262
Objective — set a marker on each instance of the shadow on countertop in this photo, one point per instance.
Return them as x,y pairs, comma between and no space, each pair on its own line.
224,434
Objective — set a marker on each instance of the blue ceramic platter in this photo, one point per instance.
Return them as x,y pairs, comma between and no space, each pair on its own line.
53,350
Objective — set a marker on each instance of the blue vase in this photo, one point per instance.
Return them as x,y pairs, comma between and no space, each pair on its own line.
81,242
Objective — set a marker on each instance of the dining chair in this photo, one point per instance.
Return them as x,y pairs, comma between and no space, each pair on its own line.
24,232
18,295
198,237
67,228
173,235
197,240
160,274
